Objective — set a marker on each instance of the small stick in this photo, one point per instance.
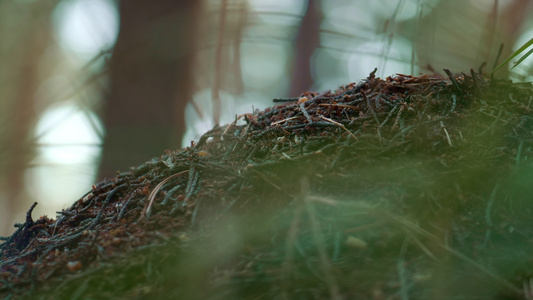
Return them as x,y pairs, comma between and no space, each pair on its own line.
168,196
389,115
473,74
370,106
123,210
340,105
500,50
480,69
454,103
447,135
453,80
285,99
324,93
146,211
21,228
341,126
191,183
398,116
306,114
29,220
284,120
106,202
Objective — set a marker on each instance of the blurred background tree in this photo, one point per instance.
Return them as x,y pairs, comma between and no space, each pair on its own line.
156,74
24,38
151,80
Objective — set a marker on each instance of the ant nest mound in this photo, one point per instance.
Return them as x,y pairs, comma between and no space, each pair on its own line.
396,187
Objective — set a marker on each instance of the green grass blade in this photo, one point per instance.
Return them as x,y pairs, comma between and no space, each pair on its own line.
522,58
522,49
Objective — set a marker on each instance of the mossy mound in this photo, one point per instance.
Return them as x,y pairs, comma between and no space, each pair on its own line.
407,187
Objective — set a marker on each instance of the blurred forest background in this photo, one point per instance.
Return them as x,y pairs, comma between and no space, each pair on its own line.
89,87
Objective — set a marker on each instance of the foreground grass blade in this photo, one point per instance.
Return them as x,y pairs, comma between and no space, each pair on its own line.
518,52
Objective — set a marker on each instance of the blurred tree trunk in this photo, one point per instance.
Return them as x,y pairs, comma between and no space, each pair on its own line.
24,37
151,81
305,45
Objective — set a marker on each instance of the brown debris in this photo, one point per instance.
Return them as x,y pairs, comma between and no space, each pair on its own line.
395,188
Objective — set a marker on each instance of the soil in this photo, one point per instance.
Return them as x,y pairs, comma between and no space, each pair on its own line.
398,188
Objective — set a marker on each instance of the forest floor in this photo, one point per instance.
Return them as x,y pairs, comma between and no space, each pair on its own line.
398,188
